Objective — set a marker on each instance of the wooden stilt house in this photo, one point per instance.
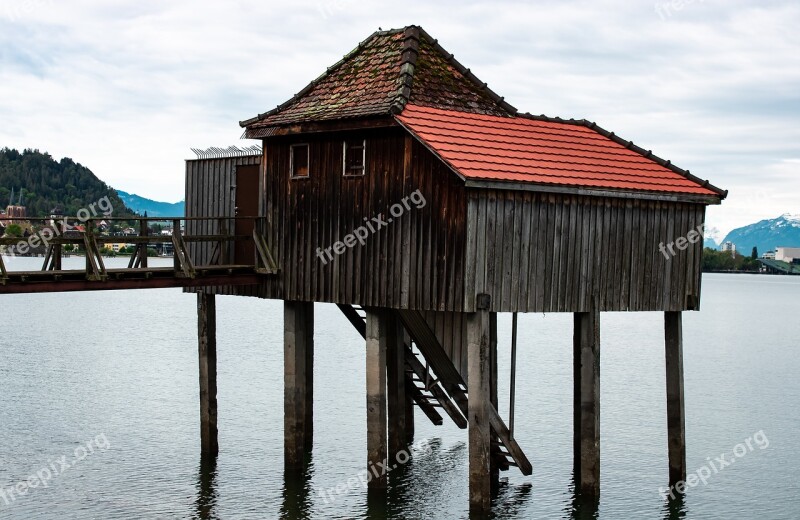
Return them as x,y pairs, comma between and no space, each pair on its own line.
400,187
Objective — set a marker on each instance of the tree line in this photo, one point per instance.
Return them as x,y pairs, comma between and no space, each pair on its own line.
48,184
714,260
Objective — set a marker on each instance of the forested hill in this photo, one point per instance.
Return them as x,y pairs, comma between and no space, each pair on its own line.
47,184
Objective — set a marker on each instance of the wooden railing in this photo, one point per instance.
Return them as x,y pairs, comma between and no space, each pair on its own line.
213,247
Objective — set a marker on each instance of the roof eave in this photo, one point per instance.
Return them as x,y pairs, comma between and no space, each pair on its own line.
693,198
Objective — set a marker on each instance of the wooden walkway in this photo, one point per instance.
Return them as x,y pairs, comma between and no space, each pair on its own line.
236,260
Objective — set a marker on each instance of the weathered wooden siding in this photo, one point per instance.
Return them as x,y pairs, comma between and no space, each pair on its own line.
532,252
535,252
416,261
210,191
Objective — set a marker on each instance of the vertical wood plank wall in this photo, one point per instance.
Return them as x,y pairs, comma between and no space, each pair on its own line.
416,261
532,252
210,192
537,252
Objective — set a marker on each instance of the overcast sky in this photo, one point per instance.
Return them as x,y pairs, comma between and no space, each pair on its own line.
127,87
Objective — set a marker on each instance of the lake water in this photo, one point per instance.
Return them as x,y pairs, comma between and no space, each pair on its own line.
119,370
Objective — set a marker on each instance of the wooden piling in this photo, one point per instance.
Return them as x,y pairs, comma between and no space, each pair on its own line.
479,389
377,449
586,371
409,399
298,373
495,467
207,350
676,429
396,385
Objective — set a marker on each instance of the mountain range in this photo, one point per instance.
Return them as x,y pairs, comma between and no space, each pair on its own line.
766,235
153,208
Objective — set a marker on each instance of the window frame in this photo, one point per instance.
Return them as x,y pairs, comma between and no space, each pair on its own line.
292,148
346,172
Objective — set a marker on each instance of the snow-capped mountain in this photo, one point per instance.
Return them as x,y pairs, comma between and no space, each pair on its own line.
712,237
766,235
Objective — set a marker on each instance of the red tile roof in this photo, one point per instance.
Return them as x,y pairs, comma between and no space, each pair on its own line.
544,151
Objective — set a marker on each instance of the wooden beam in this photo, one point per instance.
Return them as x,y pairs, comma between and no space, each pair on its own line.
676,418
396,385
298,373
623,194
479,390
442,365
409,402
3,273
53,281
416,367
502,431
326,126
495,471
377,449
586,345
207,350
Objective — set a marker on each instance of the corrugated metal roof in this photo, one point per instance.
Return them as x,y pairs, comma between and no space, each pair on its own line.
542,151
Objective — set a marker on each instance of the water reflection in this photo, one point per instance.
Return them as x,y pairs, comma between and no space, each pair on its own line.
582,507
510,500
297,492
674,508
206,490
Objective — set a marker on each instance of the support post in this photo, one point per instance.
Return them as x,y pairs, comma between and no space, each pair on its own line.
298,374
495,468
676,424
396,385
409,404
409,399
207,349
479,390
377,449
586,371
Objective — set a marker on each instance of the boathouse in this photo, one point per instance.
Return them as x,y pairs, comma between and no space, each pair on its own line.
398,186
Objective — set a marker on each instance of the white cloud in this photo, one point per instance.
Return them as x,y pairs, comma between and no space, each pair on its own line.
127,87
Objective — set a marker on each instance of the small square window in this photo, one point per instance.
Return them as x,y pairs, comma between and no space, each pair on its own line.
299,161
355,157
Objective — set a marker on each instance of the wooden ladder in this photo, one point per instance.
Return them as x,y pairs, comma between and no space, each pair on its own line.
506,452
427,392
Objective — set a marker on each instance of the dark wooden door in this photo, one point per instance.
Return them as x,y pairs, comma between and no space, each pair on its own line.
246,206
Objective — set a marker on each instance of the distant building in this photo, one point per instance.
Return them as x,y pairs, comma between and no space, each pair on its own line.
117,246
787,254
729,246
14,211
769,255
